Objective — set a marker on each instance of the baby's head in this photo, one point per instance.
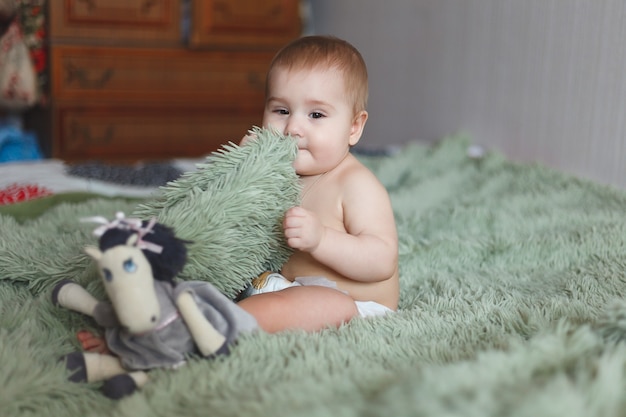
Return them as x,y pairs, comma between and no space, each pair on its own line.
324,53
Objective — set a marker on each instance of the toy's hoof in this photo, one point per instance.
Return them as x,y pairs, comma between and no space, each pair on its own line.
57,289
119,386
75,362
224,350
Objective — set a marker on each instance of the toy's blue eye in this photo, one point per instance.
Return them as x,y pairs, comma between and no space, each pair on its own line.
129,265
106,273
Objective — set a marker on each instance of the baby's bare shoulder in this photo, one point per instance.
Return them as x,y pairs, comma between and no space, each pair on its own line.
358,178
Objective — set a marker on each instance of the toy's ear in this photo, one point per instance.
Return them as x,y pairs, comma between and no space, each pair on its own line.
93,252
132,240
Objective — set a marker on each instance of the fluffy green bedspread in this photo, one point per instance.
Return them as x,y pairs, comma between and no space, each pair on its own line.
512,286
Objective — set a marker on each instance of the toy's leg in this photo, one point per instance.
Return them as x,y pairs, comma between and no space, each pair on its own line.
100,367
70,295
91,367
121,385
207,338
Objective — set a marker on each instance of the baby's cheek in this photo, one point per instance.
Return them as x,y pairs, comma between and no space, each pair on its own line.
300,161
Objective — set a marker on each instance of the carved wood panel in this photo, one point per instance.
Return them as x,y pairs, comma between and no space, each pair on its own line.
112,21
174,75
157,132
270,23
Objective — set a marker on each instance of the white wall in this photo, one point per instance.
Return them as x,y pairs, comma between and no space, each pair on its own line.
540,80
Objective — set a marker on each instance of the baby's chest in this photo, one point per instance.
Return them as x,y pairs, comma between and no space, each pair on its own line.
327,207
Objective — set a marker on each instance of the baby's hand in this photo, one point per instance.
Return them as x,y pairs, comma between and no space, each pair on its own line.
303,229
250,136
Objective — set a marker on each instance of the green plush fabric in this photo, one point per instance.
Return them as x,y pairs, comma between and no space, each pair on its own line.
33,208
42,250
231,210
512,303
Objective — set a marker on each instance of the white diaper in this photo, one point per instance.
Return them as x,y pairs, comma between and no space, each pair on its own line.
275,282
371,309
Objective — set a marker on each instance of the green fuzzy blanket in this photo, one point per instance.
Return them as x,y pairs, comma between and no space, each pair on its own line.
512,286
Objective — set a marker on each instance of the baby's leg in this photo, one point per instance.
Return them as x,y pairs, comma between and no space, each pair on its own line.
309,308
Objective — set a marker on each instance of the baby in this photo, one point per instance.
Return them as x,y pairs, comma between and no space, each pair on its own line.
345,262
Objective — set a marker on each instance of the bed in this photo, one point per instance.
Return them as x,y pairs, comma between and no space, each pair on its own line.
512,303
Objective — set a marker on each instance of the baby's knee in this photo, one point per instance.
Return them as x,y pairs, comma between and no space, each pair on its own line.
337,305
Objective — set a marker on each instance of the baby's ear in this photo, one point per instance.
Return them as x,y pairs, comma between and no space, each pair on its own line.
93,252
358,124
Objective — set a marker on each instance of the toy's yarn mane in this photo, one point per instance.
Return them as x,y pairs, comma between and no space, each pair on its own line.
165,265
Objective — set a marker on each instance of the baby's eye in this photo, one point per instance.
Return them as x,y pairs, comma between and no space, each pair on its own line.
316,115
281,111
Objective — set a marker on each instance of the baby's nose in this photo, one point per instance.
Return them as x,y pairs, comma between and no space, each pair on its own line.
292,128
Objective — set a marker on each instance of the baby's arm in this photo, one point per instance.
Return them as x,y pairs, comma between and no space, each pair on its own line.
368,250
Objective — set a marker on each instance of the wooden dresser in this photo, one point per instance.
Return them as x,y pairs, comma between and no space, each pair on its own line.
128,82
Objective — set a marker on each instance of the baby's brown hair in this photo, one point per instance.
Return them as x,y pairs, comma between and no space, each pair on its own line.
327,52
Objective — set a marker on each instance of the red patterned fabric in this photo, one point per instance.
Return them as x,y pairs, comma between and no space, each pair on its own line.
15,193
32,18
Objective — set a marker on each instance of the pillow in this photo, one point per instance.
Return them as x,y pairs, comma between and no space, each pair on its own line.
231,210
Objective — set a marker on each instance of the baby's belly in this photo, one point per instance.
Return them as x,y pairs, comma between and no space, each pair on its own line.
383,292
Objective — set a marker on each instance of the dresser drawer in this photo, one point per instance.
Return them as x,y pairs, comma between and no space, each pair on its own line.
116,20
267,23
129,133
165,75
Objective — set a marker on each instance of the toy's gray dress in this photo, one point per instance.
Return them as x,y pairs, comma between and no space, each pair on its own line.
171,343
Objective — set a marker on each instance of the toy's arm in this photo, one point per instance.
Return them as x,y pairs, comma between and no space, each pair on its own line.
72,296
206,337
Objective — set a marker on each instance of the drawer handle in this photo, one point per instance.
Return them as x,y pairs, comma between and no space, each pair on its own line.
147,5
256,80
90,4
226,10
84,135
81,76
